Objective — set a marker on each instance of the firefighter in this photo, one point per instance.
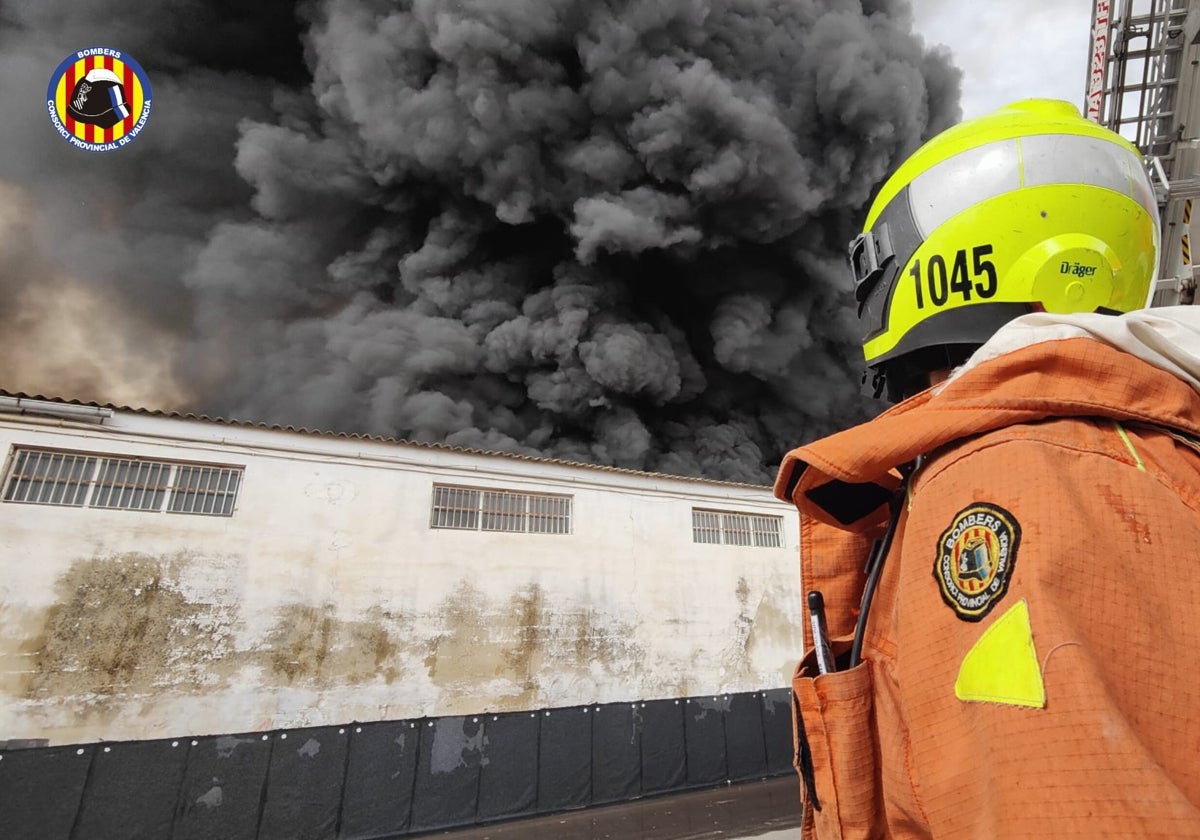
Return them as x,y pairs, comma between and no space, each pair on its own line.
1009,558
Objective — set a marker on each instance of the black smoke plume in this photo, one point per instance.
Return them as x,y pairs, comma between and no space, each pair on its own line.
603,230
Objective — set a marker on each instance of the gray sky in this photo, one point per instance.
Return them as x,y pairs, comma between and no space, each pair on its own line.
1011,50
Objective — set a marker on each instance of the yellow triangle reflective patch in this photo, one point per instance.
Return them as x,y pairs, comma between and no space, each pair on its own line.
1003,667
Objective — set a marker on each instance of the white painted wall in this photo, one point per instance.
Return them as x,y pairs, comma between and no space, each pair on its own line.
327,598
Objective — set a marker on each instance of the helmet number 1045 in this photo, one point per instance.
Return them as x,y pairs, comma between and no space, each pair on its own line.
957,278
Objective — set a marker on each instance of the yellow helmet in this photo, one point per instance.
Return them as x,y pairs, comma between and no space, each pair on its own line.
1031,208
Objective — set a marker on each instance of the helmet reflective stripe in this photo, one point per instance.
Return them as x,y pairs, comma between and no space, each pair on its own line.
1026,118
1068,159
952,186
945,190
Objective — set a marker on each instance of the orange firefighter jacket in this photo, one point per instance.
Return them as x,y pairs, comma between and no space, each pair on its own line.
1031,665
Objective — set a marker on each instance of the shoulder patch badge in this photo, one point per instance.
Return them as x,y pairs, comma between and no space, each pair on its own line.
975,558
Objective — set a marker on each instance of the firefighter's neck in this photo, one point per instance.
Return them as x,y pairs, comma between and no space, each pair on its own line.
939,376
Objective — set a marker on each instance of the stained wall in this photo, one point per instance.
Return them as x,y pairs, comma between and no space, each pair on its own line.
327,598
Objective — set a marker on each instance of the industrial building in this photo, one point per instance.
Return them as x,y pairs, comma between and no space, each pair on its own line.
178,584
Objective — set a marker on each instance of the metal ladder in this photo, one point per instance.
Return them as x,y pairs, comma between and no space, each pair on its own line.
1144,84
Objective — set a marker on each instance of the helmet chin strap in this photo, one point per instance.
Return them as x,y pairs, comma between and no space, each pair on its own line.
878,382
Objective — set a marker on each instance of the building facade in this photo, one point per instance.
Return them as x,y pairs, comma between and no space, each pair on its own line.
168,575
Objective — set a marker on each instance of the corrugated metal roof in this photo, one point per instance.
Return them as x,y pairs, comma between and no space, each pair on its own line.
537,459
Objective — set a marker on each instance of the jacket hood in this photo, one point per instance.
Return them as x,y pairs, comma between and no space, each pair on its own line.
1167,338
1140,367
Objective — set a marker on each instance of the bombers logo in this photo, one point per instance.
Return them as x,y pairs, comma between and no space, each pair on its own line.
975,558
98,99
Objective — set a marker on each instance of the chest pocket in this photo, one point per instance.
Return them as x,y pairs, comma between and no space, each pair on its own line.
834,723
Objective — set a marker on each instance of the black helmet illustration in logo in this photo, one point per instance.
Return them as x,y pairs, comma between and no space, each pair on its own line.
98,99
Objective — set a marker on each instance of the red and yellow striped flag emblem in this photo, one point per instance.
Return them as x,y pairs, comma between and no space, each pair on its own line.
134,98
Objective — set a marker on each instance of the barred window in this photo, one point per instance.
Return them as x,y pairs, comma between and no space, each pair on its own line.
49,478
720,527
471,509
126,484
121,483
210,491
706,526
504,511
550,514
455,507
767,531
737,529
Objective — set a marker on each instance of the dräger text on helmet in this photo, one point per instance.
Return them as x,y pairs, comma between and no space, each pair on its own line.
1078,269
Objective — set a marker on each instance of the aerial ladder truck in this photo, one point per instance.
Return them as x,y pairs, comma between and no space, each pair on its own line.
1144,83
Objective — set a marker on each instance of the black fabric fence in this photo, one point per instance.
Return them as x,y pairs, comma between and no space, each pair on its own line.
371,781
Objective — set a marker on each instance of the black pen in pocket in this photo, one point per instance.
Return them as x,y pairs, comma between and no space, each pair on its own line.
820,632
